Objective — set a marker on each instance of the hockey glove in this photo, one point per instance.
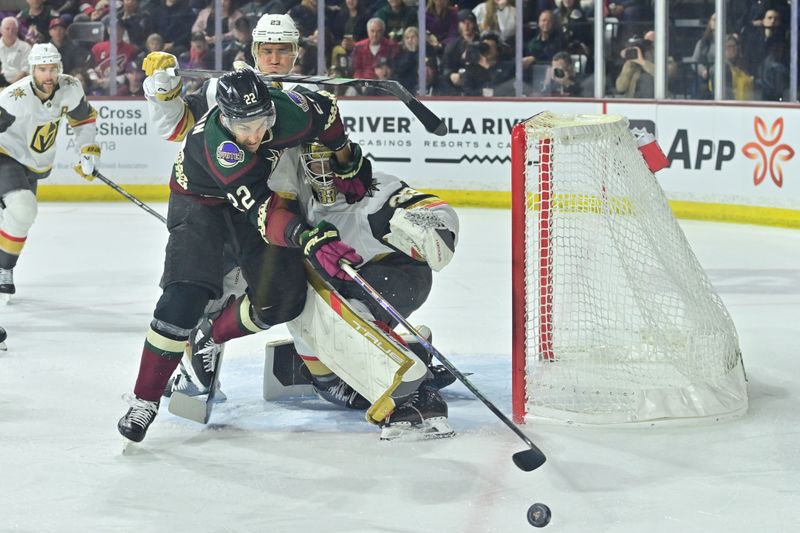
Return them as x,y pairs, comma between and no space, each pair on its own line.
6,120
421,234
89,156
160,82
355,179
323,247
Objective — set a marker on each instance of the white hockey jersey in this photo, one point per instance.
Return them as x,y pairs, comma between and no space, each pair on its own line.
31,139
360,225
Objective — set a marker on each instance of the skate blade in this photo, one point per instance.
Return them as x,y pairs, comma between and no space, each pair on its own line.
129,447
5,298
432,428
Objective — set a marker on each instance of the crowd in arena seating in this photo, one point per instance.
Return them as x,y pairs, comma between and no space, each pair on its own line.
469,46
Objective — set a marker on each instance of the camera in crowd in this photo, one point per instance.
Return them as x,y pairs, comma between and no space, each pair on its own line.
631,52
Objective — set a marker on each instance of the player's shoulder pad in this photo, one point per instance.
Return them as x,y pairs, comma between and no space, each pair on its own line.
71,87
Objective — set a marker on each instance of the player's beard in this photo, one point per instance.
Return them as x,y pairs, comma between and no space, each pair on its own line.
46,87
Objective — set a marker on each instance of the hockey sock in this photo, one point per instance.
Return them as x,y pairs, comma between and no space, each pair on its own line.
235,321
160,357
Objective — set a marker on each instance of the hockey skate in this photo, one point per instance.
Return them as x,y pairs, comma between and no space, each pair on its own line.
205,354
133,426
6,284
183,382
422,416
334,390
441,376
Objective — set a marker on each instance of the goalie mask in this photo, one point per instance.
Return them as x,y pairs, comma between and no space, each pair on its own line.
318,172
275,29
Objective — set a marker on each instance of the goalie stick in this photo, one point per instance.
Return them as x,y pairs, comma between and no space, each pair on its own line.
526,460
429,120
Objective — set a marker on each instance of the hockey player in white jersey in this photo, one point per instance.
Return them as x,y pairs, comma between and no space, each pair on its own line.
31,110
275,47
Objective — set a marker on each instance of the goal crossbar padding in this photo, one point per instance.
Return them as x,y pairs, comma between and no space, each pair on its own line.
615,320
377,366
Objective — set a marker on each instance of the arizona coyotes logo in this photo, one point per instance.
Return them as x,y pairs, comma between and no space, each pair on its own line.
44,137
758,150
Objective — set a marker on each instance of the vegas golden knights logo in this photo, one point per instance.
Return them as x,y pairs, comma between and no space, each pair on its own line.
44,137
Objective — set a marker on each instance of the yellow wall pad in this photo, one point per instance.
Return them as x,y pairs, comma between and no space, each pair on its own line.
741,214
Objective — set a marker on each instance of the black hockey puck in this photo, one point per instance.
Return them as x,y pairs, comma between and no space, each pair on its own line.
539,515
3,335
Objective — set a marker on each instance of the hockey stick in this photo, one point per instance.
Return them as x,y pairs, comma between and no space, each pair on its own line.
526,460
429,120
129,196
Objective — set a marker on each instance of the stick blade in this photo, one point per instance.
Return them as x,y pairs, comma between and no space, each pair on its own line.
196,408
529,460
429,120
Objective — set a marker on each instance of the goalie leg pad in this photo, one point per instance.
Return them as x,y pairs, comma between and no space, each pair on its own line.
374,364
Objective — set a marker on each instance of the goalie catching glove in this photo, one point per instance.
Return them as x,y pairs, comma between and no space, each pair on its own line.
325,249
89,156
160,82
422,234
354,179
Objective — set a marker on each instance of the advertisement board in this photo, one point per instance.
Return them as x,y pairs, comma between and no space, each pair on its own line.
729,154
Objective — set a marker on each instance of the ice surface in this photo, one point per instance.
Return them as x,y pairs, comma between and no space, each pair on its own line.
87,284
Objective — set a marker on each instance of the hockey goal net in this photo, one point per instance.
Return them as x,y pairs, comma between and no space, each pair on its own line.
615,320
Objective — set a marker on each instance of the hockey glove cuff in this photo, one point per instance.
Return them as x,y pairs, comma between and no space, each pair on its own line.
354,180
323,247
89,156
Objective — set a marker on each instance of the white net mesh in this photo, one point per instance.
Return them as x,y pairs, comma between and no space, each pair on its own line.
621,323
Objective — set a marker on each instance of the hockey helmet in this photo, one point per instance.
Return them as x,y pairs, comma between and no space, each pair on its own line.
318,172
45,54
275,29
243,97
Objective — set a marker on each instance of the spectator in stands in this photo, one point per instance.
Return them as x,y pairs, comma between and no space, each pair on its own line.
397,16
13,52
561,78
704,55
497,16
83,76
484,73
239,48
407,60
73,56
738,82
631,10
350,20
172,19
383,71
572,18
205,21
435,83
254,9
305,17
341,63
134,77
453,57
101,55
198,56
636,78
441,21
68,8
135,22
763,39
34,21
547,41
367,51
92,10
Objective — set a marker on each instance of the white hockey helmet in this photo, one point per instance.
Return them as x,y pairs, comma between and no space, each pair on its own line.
317,169
45,54
275,29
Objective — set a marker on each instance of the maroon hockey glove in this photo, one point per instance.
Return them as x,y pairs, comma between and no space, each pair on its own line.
323,247
355,179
